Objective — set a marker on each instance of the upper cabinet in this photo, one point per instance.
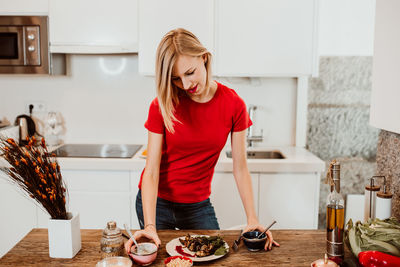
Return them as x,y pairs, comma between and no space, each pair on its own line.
93,26
24,7
251,38
157,17
266,38
385,109
247,38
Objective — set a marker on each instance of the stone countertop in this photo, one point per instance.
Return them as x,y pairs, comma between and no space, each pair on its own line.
296,160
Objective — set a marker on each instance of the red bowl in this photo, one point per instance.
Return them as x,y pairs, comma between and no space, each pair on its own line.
167,260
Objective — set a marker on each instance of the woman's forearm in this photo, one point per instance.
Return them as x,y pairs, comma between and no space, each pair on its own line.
244,185
150,178
149,197
242,175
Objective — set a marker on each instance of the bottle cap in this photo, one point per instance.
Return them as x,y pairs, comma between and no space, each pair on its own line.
111,230
384,195
372,188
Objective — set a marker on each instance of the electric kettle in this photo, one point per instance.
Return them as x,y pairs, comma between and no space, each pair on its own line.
27,128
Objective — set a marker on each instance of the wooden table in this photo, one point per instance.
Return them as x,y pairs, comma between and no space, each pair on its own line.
298,248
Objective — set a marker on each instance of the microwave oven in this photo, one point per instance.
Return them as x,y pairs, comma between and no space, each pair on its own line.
24,44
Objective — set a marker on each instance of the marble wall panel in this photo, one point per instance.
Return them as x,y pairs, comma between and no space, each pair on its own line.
338,123
341,131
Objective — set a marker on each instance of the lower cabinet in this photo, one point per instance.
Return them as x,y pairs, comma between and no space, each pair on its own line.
289,198
98,197
226,199
18,215
135,178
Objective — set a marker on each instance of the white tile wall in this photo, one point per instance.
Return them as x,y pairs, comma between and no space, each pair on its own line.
103,99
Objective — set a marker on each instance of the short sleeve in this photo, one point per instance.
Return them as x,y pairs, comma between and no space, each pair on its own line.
241,118
155,122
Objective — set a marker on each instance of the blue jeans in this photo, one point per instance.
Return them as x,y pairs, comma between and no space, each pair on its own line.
171,215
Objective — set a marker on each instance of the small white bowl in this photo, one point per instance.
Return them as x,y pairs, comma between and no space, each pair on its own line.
115,261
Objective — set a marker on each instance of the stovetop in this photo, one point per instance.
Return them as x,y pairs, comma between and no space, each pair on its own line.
97,150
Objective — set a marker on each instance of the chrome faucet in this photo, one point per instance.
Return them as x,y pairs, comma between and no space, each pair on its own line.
250,136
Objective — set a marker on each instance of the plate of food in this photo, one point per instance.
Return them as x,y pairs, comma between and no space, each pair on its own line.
198,247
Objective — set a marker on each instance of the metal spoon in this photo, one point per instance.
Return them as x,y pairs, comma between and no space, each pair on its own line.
131,236
236,243
260,235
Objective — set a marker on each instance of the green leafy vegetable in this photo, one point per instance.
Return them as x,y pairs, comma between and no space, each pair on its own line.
221,251
380,235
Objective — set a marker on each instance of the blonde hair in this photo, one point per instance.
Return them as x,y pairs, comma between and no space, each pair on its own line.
175,43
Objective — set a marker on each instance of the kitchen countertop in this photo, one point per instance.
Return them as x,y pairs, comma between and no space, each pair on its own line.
296,160
298,248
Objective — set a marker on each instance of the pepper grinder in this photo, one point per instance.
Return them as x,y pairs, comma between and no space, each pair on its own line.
383,202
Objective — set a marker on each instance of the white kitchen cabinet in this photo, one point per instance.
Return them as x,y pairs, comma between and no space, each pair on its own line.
96,209
24,7
98,196
135,178
93,26
266,38
157,17
18,215
385,109
247,38
289,198
226,199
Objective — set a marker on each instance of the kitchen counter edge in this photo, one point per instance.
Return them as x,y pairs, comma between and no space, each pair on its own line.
297,160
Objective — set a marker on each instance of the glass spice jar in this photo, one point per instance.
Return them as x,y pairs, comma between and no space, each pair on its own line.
111,243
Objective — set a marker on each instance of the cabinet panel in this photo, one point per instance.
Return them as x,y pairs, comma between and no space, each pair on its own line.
227,202
265,37
24,7
290,199
97,181
385,109
135,178
96,209
92,26
18,215
157,17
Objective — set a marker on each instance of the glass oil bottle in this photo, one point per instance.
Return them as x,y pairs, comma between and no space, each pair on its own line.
334,215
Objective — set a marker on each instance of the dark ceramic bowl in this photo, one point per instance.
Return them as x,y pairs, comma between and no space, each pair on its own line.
252,242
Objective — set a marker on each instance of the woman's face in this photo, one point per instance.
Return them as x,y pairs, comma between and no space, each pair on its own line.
190,74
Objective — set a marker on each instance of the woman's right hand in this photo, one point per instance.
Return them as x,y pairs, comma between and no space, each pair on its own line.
149,232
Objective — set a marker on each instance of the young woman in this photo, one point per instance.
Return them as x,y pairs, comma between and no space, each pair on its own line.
188,125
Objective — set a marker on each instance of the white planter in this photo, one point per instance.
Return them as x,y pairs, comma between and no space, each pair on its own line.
64,237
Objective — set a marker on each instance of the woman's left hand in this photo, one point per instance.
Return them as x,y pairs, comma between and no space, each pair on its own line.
257,226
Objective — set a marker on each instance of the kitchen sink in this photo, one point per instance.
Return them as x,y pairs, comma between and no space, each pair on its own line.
97,150
260,154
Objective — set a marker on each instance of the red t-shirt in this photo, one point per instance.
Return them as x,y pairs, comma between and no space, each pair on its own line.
191,153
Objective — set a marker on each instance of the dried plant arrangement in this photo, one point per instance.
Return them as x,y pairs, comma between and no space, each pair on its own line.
34,170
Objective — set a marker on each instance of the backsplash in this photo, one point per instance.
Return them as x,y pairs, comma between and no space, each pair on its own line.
338,123
103,99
